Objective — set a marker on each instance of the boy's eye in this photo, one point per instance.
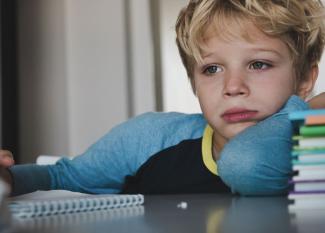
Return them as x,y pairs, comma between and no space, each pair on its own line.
258,65
212,69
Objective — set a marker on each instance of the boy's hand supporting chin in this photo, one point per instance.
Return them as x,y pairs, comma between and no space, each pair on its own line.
317,101
258,160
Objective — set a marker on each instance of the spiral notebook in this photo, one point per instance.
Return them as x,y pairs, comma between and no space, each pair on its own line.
46,203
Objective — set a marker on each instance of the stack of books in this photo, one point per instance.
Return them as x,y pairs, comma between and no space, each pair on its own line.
308,160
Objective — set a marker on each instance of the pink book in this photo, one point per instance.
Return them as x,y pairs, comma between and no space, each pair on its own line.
315,120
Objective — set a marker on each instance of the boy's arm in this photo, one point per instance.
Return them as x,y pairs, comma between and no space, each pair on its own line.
318,101
101,169
104,166
258,160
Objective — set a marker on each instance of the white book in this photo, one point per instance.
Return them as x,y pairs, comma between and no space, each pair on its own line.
311,158
45,203
309,186
302,177
308,167
313,173
312,142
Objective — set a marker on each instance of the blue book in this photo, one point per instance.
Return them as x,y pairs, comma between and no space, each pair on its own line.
301,115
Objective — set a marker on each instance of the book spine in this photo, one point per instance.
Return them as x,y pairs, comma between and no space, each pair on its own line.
312,131
315,120
308,161
301,115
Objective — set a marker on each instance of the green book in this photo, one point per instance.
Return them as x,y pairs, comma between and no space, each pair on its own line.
297,162
312,130
313,151
299,149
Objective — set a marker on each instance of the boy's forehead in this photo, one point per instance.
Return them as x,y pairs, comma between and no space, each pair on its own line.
247,31
233,30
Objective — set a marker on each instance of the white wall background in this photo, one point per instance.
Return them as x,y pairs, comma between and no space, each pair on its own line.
43,111
96,77
177,91
320,84
74,57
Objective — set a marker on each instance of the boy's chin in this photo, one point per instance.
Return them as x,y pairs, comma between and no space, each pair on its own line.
238,128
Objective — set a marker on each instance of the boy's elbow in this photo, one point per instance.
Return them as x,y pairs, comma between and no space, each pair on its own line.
251,173
248,183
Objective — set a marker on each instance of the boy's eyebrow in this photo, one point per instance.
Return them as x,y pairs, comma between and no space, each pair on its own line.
207,55
255,49
269,50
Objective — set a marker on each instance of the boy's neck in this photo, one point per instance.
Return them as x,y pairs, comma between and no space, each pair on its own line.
215,153
218,143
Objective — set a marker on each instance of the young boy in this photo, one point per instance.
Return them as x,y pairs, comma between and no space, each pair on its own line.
245,60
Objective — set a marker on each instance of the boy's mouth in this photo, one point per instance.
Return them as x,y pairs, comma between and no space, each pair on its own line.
234,115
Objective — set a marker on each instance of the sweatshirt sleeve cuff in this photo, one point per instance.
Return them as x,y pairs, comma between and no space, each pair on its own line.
29,178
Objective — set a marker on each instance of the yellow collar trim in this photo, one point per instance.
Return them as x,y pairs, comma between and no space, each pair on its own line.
207,150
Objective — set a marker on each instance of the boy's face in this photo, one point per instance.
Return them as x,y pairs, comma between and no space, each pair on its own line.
243,81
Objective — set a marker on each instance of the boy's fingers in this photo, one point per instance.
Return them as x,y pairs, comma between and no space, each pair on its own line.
7,162
6,158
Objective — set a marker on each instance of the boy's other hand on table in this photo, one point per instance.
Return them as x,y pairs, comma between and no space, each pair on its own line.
6,160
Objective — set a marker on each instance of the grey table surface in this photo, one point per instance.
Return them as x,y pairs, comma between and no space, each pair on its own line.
208,213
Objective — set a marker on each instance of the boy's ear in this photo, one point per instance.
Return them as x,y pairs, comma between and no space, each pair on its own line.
306,86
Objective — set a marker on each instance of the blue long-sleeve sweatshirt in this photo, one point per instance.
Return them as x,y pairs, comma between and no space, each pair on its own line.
155,147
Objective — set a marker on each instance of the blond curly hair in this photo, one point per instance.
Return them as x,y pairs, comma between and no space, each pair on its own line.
298,23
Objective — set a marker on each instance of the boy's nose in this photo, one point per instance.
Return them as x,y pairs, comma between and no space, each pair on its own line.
235,85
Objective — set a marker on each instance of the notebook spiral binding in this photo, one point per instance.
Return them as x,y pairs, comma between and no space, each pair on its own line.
77,218
30,209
